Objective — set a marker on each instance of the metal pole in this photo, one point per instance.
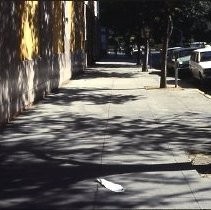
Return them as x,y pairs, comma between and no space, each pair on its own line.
147,55
176,75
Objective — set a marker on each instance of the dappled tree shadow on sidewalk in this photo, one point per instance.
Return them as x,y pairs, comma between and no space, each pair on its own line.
51,155
103,73
43,158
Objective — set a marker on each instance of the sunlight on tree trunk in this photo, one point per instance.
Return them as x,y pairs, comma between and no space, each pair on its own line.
169,27
146,55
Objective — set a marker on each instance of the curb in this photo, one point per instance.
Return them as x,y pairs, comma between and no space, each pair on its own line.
204,94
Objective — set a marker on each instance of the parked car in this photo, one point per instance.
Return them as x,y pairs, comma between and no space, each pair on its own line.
171,50
169,53
180,59
198,44
200,64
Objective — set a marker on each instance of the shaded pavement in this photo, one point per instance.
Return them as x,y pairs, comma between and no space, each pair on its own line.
115,123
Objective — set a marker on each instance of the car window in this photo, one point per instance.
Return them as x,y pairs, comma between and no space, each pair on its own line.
174,55
196,57
205,56
193,56
185,53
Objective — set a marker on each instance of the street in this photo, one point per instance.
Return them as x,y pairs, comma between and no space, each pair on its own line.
112,122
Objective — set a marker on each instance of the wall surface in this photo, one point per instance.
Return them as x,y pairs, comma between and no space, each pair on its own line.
40,49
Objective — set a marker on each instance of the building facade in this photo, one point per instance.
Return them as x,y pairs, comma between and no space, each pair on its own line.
42,45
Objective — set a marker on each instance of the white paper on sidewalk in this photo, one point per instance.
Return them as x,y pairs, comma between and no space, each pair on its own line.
110,185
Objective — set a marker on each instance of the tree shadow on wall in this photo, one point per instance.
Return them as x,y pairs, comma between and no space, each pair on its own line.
25,80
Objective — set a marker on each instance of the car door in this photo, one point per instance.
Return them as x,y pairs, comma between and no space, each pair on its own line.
191,62
169,60
194,65
197,66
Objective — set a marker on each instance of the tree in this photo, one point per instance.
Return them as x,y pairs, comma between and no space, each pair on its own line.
192,17
169,27
193,11
130,17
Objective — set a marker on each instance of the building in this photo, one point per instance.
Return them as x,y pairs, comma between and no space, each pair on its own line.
42,45
92,35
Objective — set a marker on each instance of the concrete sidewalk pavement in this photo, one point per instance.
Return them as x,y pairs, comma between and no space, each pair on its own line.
114,123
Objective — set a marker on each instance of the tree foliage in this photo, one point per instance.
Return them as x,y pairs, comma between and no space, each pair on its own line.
131,17
128,17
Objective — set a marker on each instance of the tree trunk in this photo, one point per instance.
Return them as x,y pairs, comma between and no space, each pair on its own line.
138,61
127,44
146,55
169,27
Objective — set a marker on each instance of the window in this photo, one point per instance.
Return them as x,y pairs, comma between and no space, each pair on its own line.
205,56
185,53
192,58
197,57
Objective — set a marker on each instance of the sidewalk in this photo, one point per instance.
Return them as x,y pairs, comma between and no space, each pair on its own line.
114,123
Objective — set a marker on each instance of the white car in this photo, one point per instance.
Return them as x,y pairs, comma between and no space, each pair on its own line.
200,64
198,44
